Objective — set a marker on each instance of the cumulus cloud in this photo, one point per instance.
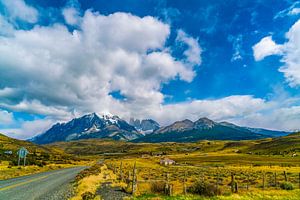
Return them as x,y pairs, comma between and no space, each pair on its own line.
193,51
294,11
216,109
291,56
266,47
72,16
290,52
6,28
28,129
62,73
18,9
6,117
71,13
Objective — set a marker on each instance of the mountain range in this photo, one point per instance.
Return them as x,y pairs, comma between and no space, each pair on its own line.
206,129
89,126
148,130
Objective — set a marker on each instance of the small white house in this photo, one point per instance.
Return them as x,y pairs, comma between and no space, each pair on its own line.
8,152
167,161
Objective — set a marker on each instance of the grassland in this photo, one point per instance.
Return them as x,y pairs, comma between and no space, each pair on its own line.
259,167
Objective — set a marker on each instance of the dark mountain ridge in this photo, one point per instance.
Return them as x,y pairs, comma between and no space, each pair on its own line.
89,126
206,129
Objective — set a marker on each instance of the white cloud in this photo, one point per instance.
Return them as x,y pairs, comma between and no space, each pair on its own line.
266,47
193,53
6,117
290,52
291,57
237,42
6,28
72,16
18,9
61,73
294,11
28,129
216,109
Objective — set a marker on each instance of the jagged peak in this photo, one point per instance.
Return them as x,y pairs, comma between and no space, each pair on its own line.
91,115
184,121
204,120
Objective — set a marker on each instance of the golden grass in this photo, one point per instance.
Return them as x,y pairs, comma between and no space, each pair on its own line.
15,171
92,182
149,168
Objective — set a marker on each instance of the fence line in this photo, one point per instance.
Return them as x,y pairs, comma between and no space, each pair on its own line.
268,180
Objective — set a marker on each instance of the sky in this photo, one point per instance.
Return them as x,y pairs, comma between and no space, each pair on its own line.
232,60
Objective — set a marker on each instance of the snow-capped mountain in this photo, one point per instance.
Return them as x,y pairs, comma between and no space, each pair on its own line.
89,126
145,126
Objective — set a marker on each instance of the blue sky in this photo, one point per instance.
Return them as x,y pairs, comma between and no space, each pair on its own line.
166,60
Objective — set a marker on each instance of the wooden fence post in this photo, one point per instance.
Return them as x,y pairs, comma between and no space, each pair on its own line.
167,186
184,183
134,180
115,169
285,176
129,176
264,177
134,187
121,171
299,180
170,190
217,183
232,182
247,186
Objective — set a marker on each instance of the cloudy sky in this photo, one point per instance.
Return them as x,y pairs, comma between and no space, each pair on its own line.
231,60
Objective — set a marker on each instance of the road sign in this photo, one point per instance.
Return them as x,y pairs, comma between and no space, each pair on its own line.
22,154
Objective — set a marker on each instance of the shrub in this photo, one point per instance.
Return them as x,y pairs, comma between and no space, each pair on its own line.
93,170
157,187
203,188
87,196
287,186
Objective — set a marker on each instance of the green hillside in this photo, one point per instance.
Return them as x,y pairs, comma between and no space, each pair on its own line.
99,146
38,155
287,145
278,146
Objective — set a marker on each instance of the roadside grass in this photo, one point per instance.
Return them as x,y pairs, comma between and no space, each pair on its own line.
254,195
89,181
7,172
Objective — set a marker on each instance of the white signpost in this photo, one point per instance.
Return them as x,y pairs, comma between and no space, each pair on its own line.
22,154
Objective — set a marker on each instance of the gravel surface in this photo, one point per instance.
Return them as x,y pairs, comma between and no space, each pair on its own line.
111,193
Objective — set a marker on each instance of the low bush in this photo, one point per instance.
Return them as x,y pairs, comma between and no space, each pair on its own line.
204,189
88,196
157,187
287,186
93,170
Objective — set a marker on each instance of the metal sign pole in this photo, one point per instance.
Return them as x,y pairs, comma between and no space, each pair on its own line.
25,160
19,160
